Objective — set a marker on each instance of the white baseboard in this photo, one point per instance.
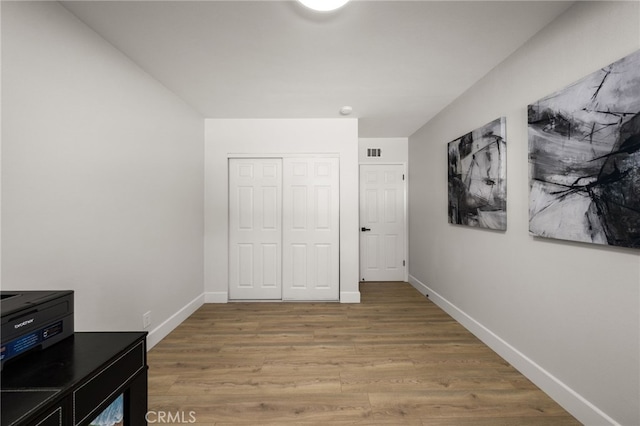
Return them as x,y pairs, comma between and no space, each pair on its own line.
216,297
161,331
223,297
350,297
570,400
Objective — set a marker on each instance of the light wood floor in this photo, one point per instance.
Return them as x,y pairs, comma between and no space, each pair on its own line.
396,358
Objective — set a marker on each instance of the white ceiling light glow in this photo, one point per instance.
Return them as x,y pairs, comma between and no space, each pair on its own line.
323,5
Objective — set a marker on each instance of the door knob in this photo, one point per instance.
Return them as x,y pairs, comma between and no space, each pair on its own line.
363,229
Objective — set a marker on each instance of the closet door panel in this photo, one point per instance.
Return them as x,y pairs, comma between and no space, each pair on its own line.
255,229
310,225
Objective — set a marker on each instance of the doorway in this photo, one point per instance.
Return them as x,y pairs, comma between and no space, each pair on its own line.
382,222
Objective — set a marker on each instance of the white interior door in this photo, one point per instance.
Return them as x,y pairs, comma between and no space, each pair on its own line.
382,222
255,229
311,238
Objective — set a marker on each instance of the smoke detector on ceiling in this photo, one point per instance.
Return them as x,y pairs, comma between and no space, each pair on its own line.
346,110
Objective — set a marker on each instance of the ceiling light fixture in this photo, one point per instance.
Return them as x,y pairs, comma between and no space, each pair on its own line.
323,5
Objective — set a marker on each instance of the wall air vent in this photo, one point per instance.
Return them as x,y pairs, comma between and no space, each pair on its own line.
374,152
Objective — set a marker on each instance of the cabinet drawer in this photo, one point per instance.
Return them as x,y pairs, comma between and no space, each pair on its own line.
90,396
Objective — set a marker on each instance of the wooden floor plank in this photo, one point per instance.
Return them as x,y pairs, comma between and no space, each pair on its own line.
394,359
260,408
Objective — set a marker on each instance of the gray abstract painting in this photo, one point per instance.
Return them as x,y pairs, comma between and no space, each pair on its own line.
477,177
584,158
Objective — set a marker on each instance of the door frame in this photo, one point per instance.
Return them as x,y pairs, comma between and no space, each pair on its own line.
405,208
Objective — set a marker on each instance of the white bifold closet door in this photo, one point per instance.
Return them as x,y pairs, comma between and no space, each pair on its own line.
284,229
255,228
310,226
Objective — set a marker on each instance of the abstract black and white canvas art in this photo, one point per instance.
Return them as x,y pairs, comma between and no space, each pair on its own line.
477,177
584,158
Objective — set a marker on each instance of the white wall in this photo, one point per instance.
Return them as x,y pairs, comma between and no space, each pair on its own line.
102,176
393,150
566,314
228,137
1,127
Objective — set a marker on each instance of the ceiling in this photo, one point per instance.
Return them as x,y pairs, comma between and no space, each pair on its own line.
397,63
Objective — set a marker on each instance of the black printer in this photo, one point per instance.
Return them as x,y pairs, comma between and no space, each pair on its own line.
34,320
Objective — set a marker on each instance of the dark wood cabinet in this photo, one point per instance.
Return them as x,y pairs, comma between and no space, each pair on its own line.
73,381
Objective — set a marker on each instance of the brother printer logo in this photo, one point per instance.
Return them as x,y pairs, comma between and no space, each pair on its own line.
23,323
